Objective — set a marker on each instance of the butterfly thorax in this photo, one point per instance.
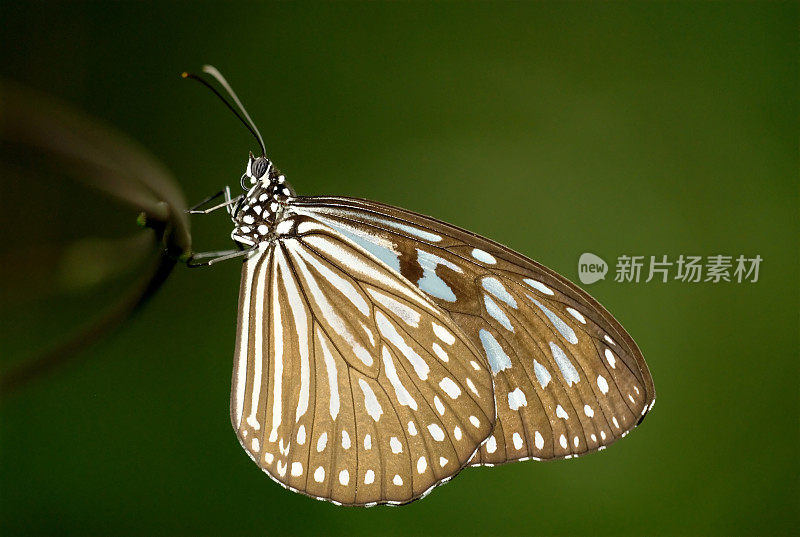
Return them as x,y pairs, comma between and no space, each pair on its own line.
261,208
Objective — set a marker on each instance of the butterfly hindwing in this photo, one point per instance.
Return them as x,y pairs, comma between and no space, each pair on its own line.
349,383
568,379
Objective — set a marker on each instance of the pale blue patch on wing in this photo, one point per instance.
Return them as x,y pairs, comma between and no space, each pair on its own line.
568,370
414,231
494,286
430,282
498,359
384,253
499,315
411,230
542,374
561,326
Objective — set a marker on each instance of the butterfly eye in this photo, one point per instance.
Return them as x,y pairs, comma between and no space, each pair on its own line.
259,167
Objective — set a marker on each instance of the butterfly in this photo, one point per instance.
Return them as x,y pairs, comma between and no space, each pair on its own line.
379,351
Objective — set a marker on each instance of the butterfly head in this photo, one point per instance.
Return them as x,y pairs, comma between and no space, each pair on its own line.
261,207
258,168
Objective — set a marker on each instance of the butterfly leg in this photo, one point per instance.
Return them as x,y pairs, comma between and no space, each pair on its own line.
195,209
215,257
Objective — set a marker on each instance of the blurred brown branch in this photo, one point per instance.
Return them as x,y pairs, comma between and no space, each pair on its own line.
37,132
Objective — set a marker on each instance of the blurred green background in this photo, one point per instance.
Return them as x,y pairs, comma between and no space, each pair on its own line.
639,129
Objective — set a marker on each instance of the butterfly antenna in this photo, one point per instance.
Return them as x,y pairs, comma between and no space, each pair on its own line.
248,123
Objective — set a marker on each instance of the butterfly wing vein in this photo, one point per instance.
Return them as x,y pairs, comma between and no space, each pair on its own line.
350,384
568,379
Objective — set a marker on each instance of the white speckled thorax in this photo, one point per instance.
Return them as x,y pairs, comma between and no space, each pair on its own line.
258,215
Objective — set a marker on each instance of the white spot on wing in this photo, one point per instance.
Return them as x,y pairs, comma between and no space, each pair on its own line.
472,387
561,413
539,286
610,359
450,388
344,477
491,444
542,375
588,411
319,474
322,441
517,439
439,351
443,333
517,399
577,315
602,384
438,404
396,446
485,257
538,440
436,432
297,469
370,401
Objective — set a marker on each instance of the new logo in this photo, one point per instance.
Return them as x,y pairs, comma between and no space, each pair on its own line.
591,268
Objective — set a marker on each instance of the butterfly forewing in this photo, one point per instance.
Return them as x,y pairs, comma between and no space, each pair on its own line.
567,377
349,383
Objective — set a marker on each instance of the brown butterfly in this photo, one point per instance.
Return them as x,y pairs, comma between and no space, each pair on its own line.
380,351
